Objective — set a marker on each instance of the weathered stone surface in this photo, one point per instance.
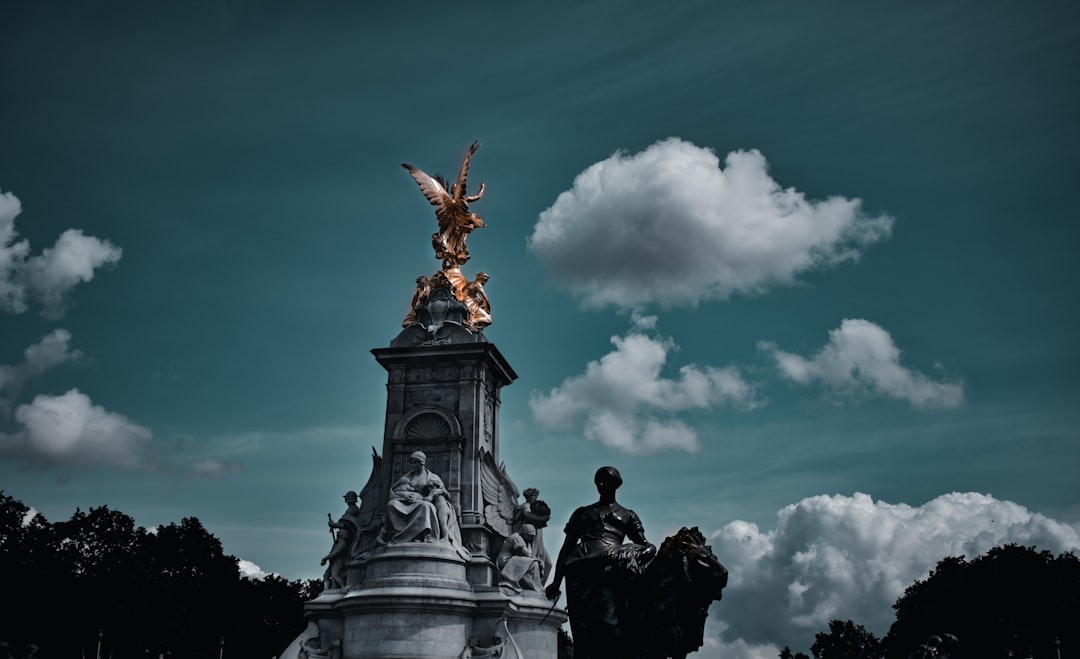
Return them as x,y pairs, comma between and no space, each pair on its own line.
424,600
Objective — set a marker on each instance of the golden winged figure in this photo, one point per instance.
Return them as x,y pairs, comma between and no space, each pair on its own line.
451,204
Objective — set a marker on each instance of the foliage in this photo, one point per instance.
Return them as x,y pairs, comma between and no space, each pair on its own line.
846,640
1012,600
170,591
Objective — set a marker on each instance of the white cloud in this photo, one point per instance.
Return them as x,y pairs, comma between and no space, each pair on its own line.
29,515
51,351
861,359
626,404
70,429
212,468
251,570
50,276
669,226
841,557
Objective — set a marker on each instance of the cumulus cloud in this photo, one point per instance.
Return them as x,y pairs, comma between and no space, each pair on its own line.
625,403
851,557
50,276
52,350
670,226
70,429
251,570
861,359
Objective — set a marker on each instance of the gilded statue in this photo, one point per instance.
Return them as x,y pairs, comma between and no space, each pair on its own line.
476,301
451,204
420,295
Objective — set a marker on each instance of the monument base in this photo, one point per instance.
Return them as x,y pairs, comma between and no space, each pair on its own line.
414,602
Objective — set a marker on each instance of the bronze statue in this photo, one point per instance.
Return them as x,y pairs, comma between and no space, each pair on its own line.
596,594
629,600
451,204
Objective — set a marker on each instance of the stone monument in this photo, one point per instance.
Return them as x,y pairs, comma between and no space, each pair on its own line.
440,559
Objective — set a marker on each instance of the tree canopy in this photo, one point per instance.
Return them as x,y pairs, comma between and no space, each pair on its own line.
846,640
1012,602
171,589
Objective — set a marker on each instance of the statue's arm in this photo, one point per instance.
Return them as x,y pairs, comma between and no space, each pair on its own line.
635,531
571,540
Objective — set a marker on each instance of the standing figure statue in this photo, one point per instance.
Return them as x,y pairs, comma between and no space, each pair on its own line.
597,565
419,508
451,210
348,534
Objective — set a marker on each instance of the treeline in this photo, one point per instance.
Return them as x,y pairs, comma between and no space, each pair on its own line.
1011,603
172,591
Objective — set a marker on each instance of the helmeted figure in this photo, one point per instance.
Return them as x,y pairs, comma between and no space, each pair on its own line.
345,541
597,567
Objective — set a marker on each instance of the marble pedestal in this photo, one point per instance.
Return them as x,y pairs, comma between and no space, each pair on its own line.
414,602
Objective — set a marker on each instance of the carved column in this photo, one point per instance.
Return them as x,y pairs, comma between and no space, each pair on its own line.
444,400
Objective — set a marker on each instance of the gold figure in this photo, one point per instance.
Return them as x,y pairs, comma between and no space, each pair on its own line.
476,301
451,210
423,290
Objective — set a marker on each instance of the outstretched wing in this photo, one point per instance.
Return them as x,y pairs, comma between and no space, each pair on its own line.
500,494
369,496
463,175
430,186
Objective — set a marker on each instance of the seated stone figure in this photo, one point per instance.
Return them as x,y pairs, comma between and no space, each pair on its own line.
519,569
419,509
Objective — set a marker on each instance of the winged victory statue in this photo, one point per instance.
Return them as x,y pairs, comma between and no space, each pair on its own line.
451,204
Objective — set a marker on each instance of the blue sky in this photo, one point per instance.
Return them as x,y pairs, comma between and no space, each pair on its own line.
806,275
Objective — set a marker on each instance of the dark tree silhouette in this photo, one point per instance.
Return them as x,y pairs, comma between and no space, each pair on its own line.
1012,600
170,591
846,640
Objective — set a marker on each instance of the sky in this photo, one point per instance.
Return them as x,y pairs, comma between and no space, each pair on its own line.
804,273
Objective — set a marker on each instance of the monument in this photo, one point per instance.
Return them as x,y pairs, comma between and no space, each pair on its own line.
437,557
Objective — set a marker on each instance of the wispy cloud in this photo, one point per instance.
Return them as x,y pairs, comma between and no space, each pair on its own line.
624,402
861,359
669,226
48,277
213,468
52,350
851,557
71,430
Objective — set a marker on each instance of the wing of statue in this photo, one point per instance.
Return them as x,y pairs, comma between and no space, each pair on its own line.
463,175
430,186
370,496
500,494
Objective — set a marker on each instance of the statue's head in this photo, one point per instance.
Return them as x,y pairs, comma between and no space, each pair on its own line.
350,497
417,458
527,531
531,493
482,277
607,478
